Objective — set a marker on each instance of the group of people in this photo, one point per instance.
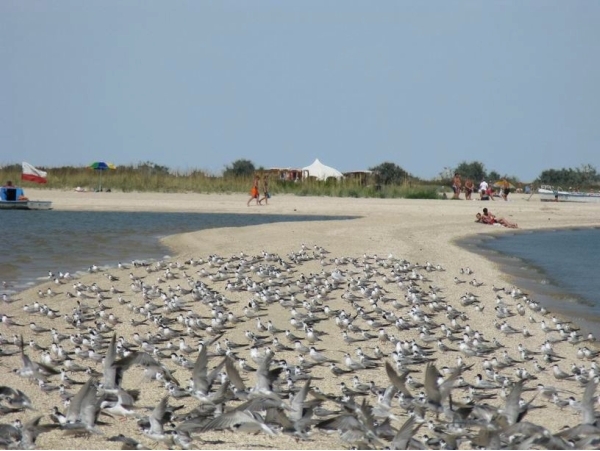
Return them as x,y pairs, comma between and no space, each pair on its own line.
255,192
485,193
485,190
488,218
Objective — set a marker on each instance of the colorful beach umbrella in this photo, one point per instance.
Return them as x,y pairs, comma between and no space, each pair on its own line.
500,184
101,166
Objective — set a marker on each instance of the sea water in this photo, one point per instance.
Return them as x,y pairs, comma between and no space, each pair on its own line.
557,267
36,243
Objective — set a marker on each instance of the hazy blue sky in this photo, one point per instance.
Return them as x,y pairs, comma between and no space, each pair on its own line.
198,84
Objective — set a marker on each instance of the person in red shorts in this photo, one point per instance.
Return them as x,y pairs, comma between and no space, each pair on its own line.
254,193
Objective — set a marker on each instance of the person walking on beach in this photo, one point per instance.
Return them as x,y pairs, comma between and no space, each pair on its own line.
254,193
505,189
265,186
456,186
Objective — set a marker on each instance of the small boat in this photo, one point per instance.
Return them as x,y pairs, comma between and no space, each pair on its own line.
13,198
548,193
26,205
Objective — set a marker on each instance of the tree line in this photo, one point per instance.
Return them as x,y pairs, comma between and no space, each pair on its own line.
389,173
386,173
583,177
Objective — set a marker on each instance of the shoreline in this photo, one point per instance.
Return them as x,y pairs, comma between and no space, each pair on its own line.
418,231
106,202
471,243
536,280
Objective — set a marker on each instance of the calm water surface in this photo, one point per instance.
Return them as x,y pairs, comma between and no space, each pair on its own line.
559,266
72,241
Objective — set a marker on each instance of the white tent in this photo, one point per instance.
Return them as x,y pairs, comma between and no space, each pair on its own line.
322,172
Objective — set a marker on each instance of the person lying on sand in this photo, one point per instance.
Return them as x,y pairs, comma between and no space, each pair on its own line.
491,220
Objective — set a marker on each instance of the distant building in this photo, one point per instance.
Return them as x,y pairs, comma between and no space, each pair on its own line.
363,178
287,174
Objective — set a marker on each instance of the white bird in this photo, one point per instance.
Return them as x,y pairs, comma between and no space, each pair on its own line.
352,364
560,374
122,406
318,357
483,384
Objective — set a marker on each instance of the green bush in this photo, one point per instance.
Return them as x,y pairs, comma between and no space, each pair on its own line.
151,178
422,193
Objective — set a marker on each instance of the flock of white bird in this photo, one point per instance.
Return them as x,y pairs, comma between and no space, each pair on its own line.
303,350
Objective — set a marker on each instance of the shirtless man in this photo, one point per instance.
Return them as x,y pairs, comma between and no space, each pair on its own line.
456,186
469,189
488,218
265,187
505,189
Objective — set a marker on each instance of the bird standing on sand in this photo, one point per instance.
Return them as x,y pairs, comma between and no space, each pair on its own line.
560,374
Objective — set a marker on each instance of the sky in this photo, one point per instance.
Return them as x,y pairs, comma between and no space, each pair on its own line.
198,85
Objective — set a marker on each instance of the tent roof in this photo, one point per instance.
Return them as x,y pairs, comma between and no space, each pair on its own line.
321,171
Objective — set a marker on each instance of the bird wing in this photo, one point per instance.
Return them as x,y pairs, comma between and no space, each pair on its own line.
260,402
125,398
236,417
263,375
234,375
32,429
341,422
158,414
110,371
511,409
22,398
146,360
6,391
297,403
388,394
404,434
215,372
89,408
587,403
200,372
431,387
73,414
368,420
398,381
27,363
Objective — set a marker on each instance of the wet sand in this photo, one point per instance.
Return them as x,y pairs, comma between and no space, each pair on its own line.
421,232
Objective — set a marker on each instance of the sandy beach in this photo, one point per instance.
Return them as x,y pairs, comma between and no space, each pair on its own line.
367,252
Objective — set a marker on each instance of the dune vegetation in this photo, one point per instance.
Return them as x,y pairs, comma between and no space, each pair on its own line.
152,178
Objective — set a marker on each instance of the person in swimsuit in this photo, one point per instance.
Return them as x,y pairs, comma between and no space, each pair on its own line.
469,187
254,194
505,189
265,187
488,218
456,186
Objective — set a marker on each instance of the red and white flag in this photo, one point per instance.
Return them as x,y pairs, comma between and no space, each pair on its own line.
32,174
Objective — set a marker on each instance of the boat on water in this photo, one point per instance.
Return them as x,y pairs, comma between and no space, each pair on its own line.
549,193
26,205
13,198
